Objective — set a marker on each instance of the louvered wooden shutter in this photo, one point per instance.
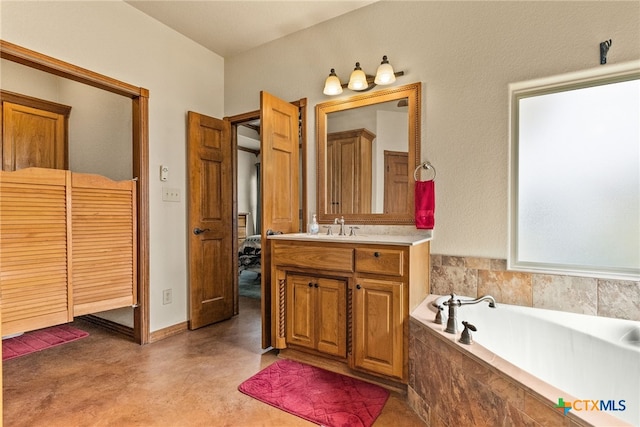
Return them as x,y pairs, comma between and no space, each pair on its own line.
67,247
103,267
33,249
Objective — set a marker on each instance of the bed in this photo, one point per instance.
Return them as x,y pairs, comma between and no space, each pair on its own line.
249,255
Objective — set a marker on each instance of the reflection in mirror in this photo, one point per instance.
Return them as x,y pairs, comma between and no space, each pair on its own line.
368,147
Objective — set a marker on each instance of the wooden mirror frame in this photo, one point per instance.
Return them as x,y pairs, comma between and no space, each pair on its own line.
413,93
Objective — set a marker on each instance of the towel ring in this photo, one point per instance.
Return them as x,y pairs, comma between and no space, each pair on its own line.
425,165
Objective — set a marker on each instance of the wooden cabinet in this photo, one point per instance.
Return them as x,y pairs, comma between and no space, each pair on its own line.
34,133
334,295
378,310
349,171
317,313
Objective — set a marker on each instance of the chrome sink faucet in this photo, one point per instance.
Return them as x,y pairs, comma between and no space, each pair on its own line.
341,222
453,303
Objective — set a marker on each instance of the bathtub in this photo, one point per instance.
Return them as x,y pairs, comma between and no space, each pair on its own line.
592,362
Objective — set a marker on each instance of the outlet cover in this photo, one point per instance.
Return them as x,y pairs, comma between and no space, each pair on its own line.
170,194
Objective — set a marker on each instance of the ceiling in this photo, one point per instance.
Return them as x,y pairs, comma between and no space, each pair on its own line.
231,27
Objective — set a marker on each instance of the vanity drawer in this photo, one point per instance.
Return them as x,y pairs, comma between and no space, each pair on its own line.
327,258
381,261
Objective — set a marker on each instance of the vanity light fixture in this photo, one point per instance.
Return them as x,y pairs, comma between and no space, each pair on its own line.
359,81
332,85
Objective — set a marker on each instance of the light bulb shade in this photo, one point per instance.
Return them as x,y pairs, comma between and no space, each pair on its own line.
385,74
332,85
358,80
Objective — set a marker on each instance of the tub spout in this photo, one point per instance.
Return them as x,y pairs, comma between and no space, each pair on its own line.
489,298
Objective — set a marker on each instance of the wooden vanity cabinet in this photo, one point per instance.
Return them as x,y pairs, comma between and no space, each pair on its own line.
316,308
359,310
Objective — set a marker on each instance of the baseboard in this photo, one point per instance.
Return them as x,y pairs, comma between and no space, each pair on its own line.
110,325
167,332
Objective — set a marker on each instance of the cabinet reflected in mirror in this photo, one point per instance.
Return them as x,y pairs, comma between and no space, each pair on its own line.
368,146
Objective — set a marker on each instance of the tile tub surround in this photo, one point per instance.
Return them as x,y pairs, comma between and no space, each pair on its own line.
451,384
474,277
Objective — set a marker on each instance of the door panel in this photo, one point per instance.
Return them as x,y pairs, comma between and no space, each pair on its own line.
210,166
331,316
33,138
396,172
279,147
378,325
301,309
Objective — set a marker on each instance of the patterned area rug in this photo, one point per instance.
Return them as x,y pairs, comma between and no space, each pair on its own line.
319,396
42,339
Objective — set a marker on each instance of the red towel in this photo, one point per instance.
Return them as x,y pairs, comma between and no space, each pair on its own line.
425,202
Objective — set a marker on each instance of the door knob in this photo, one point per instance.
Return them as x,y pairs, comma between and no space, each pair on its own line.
197,231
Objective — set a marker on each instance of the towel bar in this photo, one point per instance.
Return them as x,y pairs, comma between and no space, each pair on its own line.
425,165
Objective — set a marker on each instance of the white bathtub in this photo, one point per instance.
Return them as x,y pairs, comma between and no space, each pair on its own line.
587,357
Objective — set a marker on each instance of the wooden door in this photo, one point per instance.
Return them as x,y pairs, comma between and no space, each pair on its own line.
33,137
211,262
279,187
378,325
396,180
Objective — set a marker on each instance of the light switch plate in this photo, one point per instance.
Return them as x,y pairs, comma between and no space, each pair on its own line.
170,194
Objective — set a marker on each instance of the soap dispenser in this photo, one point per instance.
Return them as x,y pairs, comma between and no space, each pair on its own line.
314,227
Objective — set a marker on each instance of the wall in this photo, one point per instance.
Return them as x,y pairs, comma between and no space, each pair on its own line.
247,187
465,54
99,123
116,40
471,276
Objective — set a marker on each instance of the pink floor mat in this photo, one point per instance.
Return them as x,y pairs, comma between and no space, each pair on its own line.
40,340
322,397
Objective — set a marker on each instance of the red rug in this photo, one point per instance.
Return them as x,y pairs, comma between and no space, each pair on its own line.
319,396
40,340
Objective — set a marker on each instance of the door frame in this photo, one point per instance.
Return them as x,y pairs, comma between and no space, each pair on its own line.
236,121
140,146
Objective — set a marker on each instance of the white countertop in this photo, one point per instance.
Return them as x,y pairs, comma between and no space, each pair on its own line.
385,239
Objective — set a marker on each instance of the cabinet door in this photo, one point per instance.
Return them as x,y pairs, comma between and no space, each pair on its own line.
378,326
33,138
316,314
300,310
331,308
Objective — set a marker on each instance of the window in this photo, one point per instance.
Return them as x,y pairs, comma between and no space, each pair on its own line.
575,174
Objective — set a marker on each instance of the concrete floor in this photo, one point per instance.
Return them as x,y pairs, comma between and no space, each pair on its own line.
190,379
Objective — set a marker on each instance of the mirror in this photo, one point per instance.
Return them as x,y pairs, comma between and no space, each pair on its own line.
368,147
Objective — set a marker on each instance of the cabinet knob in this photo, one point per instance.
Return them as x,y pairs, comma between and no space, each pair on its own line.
315,285
376,254
358,286
310,285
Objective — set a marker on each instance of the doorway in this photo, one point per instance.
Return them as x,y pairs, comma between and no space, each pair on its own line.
246,134
249,203
140,158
